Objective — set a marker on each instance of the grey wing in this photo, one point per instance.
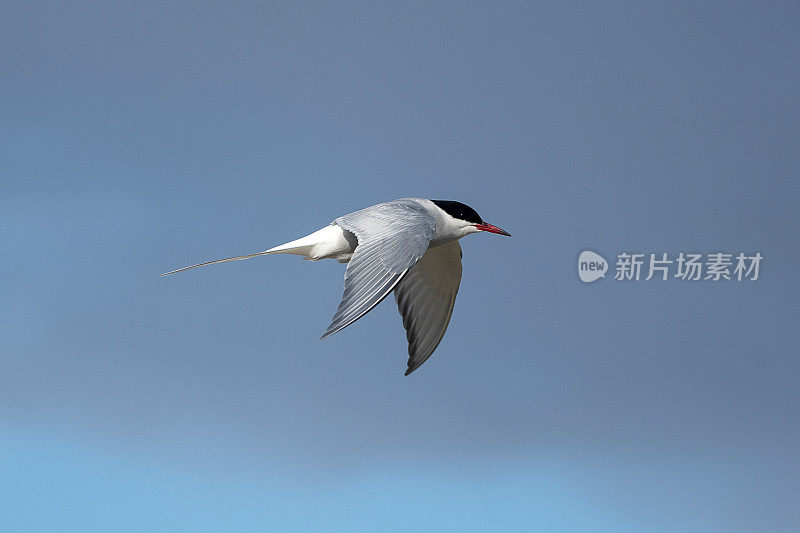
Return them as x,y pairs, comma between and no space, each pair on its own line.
392,237
425,297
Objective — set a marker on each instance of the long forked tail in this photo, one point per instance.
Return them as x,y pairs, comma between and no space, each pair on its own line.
237,258
303,246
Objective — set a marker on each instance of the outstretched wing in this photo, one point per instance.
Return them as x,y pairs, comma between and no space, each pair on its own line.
392,237
425,297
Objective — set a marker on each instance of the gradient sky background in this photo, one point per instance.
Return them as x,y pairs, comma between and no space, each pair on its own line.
141,137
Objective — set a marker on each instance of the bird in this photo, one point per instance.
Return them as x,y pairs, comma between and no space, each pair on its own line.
409,246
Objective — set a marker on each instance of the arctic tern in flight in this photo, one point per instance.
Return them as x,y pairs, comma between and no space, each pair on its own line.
409,246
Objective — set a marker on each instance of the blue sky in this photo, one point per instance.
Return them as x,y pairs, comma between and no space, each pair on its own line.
138,139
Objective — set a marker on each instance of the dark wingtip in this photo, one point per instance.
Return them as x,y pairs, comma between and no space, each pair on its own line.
411,369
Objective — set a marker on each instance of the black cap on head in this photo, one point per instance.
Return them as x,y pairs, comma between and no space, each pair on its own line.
459,211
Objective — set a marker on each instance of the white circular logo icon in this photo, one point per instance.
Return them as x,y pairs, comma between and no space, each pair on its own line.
591,266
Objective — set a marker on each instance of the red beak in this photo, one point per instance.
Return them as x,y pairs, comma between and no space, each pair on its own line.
492,229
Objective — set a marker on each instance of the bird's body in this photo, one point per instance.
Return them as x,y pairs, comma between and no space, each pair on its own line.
409,246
